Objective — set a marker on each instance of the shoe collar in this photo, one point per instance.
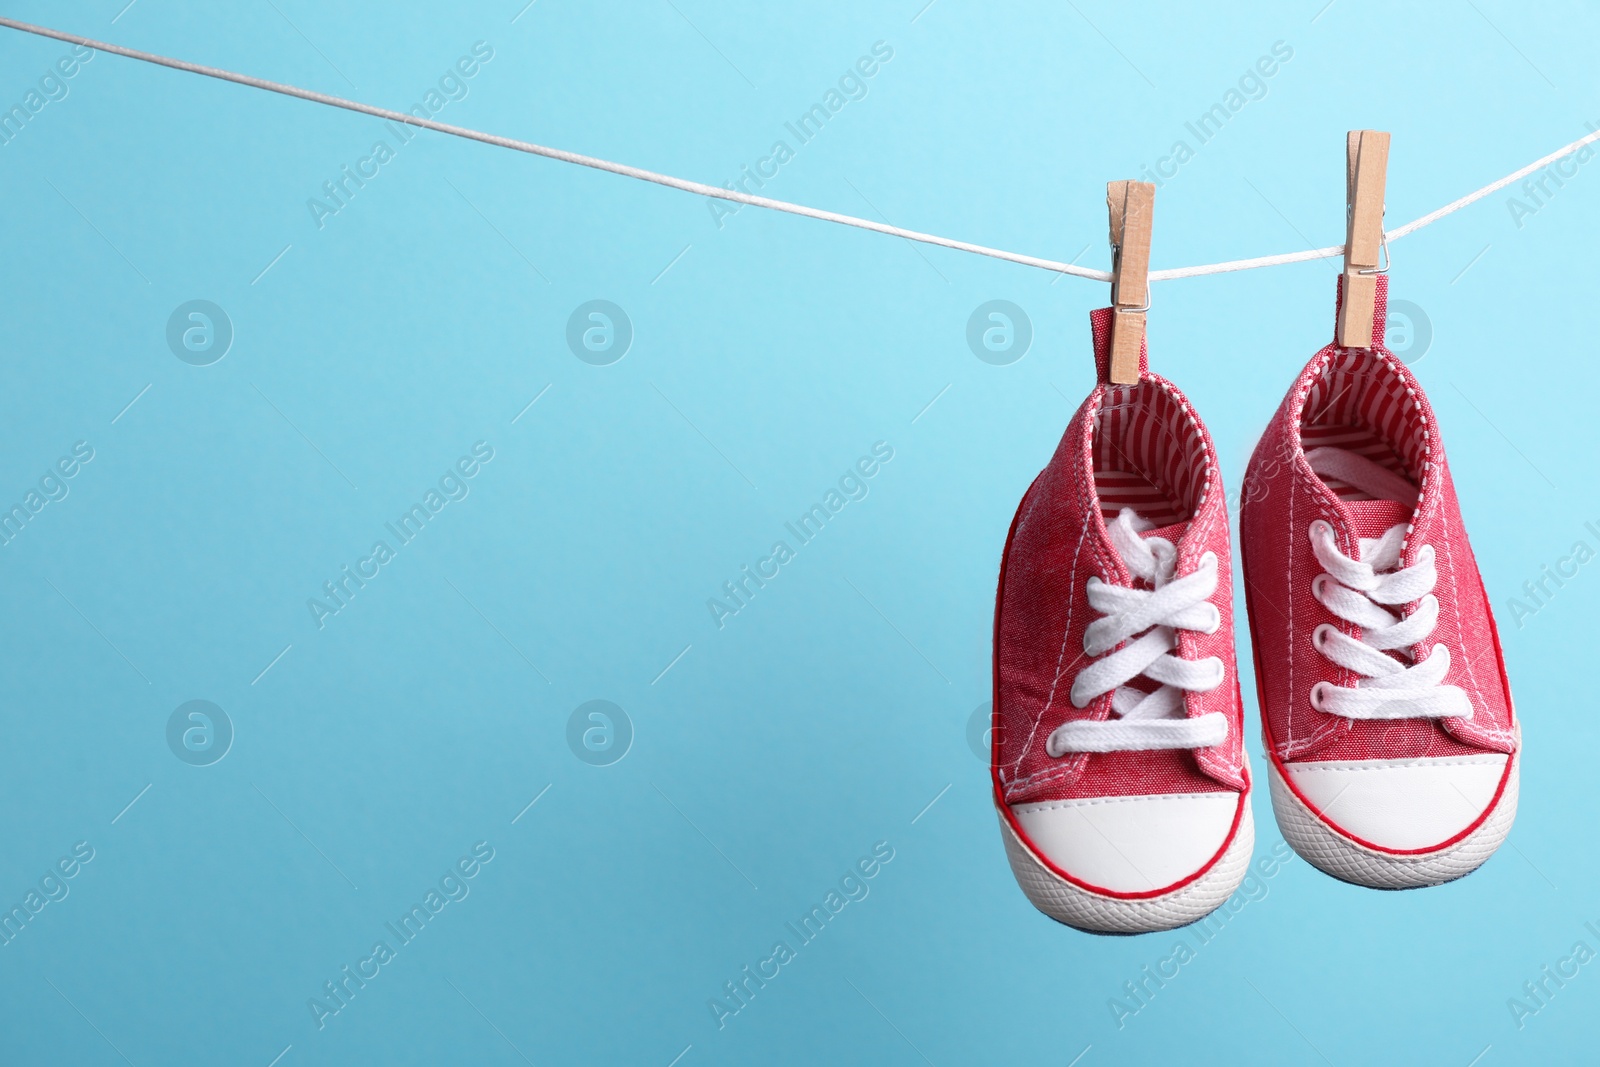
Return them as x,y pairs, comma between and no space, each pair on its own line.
1380,382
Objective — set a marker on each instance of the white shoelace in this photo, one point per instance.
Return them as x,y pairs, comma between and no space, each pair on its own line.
1146,720
1356,590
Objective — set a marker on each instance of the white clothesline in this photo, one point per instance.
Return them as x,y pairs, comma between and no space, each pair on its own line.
738,197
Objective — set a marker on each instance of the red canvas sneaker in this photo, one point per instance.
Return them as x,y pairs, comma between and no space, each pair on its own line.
1119,772
1389,728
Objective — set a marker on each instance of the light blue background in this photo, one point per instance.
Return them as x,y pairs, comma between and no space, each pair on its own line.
831,711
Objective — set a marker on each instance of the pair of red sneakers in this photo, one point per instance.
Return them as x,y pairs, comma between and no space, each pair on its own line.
1119,767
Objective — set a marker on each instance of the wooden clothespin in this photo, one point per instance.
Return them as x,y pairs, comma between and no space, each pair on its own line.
1367,158
1132,208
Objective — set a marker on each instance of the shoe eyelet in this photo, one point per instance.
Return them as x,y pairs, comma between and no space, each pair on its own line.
1316,585
1319,635
1316,526
1052,747
1316,695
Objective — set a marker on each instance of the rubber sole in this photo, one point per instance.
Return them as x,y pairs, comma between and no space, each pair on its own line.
1335,854
1097,913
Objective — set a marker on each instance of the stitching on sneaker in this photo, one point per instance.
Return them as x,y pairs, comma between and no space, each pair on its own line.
1061,655
1066,630
1289,745
1085,802
1298,479
1209,509
1455,621
1345,766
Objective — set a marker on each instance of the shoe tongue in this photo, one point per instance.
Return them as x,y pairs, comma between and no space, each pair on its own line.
1373,518
1172,534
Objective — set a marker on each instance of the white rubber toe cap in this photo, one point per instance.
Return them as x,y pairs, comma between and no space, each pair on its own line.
1136,844
1401,805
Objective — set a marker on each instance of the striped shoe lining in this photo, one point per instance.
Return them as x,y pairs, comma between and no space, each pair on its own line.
1357,439
1148,454
1358,403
